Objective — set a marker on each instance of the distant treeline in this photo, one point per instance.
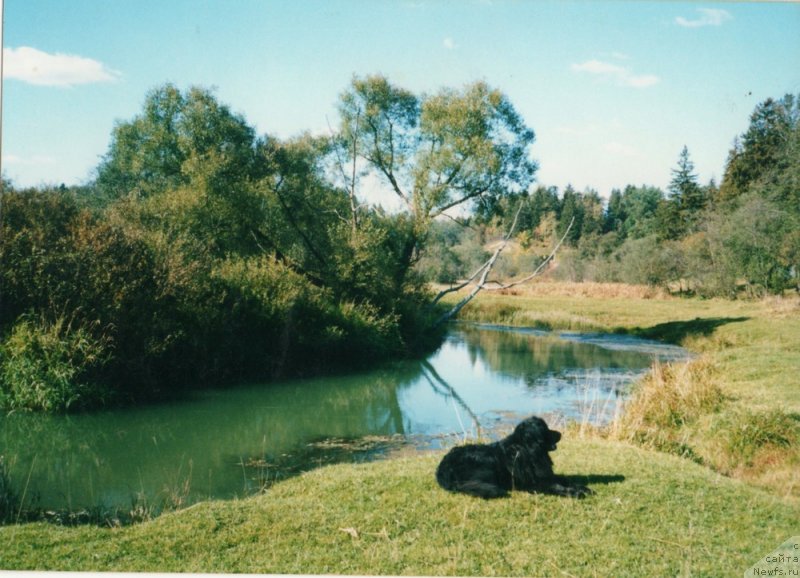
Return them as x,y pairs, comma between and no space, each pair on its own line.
738,237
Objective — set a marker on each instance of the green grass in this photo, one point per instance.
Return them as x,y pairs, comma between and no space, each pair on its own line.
750,352
733,410
652,514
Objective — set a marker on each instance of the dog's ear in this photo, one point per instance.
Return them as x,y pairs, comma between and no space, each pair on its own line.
530,433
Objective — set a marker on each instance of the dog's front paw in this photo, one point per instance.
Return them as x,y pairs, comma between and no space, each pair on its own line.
579,492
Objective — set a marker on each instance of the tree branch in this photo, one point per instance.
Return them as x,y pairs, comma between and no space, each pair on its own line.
352,184
460,223
288,213
259,236
541,265
459,200
353,202
486,268
378,161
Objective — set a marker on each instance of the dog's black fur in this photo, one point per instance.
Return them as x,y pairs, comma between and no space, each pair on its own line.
518,462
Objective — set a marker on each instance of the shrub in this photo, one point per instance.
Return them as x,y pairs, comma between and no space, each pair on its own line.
51,366
33,228
744,434
368,334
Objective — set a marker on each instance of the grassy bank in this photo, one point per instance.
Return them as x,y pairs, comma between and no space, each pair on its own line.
653,514
662,504
736,408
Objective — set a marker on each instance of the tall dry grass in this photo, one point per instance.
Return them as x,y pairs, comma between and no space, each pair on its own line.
585,290
666,401
681,409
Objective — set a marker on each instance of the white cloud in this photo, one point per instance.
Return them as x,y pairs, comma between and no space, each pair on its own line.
622,75
44,69
20,161
641,80
708,17
598,67
449,43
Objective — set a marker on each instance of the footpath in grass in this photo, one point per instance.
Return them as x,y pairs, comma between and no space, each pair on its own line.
652,515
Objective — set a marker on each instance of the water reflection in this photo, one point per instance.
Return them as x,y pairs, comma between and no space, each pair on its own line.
222,443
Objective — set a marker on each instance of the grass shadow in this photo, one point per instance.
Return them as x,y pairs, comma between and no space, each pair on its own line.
676,331
592,479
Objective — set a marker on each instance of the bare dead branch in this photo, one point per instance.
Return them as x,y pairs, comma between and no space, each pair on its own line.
541,266
460,223
486,268
489,263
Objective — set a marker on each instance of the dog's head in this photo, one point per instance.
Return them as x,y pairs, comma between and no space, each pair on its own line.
534,433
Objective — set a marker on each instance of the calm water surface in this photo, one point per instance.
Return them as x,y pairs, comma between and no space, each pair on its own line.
226,443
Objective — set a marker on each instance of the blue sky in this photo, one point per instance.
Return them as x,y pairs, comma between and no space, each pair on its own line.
613,90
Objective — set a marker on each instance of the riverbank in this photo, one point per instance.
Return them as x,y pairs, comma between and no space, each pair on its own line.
652,515
735,408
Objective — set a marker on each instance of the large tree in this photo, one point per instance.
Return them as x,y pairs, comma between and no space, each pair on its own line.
179,137
440,151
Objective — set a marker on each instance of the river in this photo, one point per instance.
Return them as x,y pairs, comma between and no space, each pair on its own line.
232,442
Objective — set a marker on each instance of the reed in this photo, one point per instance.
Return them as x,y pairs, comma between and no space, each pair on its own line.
9,501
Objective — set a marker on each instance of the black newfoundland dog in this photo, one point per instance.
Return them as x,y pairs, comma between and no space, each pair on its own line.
518,462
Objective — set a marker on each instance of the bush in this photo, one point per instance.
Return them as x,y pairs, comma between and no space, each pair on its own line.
648,261
743,435
33,229
52,366
364,334
754,244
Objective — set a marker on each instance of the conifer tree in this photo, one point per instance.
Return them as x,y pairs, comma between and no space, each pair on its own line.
689,197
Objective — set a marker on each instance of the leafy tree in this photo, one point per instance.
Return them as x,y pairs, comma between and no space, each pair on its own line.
592,209
712,193
640,206
179,138
781,181
756,243
649,261
543,202
437,152
615,214
208,255
668,224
